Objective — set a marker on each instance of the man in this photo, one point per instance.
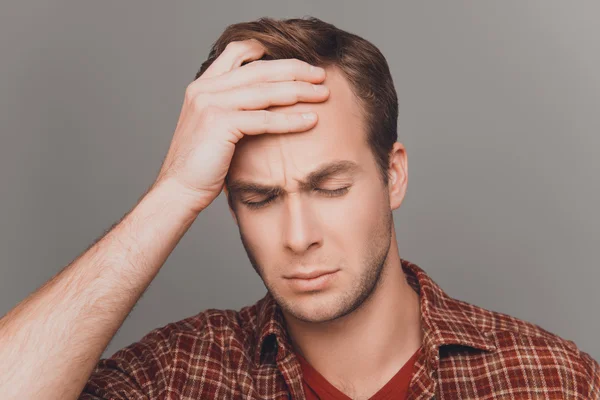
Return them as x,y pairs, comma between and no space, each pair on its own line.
344,316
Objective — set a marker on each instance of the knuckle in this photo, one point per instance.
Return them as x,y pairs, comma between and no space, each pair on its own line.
265,117
252,42
287,76
293,67
298,64
211,115
300,88
303,85
190,92
234,45
241,45
257,66
200,101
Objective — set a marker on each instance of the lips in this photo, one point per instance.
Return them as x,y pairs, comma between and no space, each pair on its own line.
309,274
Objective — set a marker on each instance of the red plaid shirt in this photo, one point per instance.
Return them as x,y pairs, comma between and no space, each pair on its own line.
468,353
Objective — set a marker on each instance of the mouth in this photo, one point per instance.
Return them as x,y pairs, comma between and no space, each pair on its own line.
310,274
316,280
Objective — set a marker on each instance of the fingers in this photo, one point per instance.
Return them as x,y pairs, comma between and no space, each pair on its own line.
263,121
235,53
266,94
228,90
263,71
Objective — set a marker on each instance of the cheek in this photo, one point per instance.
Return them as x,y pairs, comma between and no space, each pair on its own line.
258,235
343,215
350,221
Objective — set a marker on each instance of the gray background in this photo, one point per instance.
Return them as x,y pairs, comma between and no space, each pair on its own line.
499,114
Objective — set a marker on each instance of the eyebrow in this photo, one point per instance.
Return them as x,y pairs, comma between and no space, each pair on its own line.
311,181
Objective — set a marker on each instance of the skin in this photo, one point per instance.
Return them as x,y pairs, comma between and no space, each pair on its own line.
365,324
52,340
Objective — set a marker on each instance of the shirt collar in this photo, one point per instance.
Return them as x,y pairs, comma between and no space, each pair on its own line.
445,321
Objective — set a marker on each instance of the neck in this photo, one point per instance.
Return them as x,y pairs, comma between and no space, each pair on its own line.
376,339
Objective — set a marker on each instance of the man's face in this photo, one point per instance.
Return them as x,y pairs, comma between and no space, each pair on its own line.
304,227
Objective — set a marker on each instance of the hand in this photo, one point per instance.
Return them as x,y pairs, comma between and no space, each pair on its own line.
227,102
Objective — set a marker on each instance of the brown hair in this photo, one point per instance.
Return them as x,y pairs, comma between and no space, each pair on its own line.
320,43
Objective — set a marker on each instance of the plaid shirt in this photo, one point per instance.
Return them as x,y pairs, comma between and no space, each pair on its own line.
469,353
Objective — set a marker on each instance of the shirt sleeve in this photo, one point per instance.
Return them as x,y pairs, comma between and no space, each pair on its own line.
594,368
138,371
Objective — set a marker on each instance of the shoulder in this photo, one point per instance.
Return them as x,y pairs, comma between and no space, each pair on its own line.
173,355
535,352
220,327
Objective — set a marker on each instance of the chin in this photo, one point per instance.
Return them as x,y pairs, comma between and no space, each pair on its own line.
311,315
310,307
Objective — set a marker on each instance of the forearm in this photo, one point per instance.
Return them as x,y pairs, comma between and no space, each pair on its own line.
51,341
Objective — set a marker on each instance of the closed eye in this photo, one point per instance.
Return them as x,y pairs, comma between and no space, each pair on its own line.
326,192
333,192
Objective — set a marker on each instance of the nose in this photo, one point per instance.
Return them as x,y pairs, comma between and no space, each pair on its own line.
301,228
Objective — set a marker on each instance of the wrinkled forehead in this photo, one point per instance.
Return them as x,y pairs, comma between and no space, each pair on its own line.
338,135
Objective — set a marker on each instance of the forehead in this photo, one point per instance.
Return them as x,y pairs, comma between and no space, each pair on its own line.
281,157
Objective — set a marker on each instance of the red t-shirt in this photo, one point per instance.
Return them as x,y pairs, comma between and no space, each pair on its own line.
316,387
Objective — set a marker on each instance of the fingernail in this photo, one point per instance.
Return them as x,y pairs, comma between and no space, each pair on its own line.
309,116
314,68
320,88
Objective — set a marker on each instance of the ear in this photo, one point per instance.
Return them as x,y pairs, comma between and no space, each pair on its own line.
229,204
398,175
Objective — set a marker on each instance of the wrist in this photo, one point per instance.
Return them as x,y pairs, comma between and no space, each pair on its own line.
178,195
